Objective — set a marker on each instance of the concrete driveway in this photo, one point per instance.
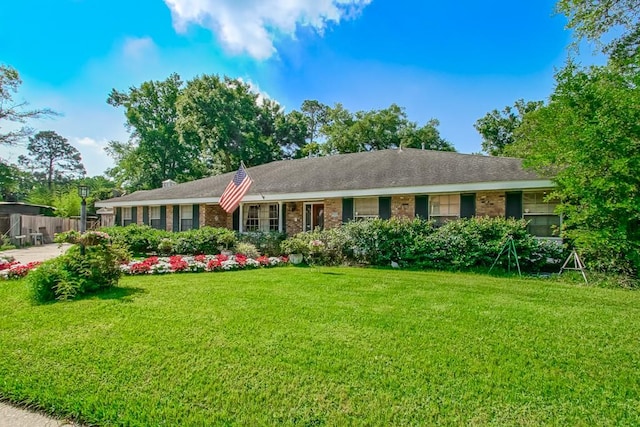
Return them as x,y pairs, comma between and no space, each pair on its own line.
37,252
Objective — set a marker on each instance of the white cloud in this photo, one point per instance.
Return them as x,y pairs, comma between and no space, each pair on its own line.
135,48
250,26
253,87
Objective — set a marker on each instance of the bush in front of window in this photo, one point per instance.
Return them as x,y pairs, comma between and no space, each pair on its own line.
456,245
267,242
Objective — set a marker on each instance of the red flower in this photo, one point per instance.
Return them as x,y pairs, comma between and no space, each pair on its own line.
200,258
264,260
176,263
241,259
213,264
140,268
221,258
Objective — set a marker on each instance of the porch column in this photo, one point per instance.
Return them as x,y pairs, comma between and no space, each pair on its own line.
240,220
280,216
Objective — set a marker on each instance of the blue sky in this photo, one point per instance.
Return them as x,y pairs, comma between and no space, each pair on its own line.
453,61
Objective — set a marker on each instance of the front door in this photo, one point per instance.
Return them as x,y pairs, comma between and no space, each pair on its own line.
313,216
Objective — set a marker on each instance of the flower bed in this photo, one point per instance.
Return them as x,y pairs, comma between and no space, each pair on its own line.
178,263
12,269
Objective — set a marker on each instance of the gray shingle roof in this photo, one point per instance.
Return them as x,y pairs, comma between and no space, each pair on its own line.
356,171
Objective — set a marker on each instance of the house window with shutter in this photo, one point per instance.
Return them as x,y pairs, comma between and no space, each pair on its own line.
539,212
154,216
445,207
127,216
261,217
186,217
365,208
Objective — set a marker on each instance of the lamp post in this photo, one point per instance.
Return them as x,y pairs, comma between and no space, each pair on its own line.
83,192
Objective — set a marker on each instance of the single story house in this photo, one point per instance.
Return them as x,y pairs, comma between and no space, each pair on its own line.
299,195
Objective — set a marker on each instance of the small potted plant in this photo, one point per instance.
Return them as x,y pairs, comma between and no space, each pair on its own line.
295,248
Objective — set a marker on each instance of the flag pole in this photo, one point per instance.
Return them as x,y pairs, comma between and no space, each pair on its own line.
245,171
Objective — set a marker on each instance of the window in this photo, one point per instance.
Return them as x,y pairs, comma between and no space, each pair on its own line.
444,207
126,216
154,216
261,217
186,217
539,211
273,218
365,208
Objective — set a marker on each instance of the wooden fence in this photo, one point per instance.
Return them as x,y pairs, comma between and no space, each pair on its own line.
36,228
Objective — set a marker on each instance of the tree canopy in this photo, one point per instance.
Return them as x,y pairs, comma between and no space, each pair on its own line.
15,111
151,116
52,159
497,127
588,139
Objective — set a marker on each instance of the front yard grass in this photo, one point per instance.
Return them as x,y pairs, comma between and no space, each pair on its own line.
335,346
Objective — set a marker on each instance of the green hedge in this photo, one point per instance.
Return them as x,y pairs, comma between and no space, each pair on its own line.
457,245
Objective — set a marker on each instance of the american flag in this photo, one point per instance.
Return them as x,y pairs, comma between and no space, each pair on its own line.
235,191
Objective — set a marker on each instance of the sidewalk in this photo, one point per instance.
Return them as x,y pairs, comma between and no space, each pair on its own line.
11,416
37,253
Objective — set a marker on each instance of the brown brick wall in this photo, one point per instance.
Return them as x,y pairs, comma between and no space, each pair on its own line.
215,216
403,206
170,218
294,217
332,213
490,203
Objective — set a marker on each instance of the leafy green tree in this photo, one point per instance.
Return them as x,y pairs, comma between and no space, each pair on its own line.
52,159
15,111
155,152
497,127
224,117
588,138
378,130
426,137
315,113
617,20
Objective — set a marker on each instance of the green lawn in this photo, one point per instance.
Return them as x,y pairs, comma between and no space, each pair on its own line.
335,346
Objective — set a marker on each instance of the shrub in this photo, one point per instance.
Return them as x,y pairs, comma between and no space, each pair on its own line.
268,243
74,273
138,239
247,249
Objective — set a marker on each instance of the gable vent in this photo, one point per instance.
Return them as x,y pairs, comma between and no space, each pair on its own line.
168,183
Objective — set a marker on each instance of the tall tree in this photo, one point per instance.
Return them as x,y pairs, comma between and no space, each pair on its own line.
15,111
223,116
315,113
52,158
378,130
154,146
588,138
497,127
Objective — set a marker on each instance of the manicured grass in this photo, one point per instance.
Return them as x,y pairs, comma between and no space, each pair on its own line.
335,346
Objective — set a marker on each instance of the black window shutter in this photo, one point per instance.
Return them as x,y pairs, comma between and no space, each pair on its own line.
145,215
467,205
514,205
163,218
118,216
284,217
176,218
384,207
134,215
196,217
347,210
422,207
236,220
